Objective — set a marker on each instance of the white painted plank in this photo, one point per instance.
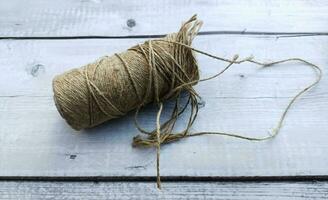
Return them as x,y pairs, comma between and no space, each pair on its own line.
110,18
35,141
171,190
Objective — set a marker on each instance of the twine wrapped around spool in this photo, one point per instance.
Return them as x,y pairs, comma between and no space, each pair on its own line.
154,71
117,84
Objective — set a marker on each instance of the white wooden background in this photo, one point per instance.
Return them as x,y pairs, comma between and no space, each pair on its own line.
39,39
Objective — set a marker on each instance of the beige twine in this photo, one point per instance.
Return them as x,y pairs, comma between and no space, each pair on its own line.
154,71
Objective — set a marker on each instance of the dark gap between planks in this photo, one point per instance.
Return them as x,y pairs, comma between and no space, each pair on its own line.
278,34
167,178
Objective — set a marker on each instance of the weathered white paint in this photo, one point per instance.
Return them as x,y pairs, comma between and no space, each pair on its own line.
109,18
35,141
171,190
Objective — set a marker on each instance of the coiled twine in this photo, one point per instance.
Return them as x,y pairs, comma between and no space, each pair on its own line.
117,84
154,71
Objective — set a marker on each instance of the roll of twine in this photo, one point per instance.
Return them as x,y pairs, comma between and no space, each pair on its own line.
155,71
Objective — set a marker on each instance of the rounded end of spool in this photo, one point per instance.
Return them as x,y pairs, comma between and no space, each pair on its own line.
60,110
57,86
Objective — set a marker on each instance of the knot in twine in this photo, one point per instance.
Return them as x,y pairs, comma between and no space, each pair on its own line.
154,71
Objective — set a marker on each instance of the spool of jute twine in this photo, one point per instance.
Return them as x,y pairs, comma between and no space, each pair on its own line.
154,71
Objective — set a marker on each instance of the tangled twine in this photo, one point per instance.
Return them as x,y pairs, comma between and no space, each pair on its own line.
154,71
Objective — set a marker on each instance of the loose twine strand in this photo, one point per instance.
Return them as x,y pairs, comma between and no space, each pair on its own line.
170,65
169,137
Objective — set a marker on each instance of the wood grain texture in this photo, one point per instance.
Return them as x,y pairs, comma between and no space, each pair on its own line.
171,190
35,141
122,18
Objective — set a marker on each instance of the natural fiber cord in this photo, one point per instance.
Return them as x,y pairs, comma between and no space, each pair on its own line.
154,71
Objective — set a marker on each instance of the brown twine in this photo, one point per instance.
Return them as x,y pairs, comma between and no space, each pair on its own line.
154,71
